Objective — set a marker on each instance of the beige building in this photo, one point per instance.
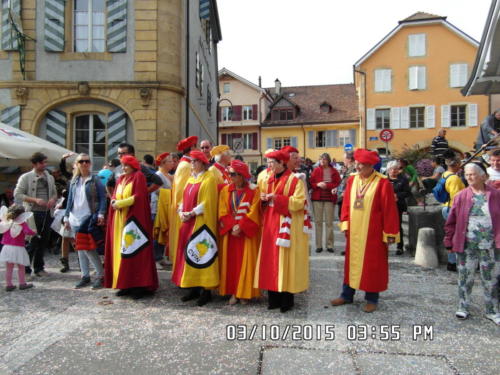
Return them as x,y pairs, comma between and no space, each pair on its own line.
242,106
102,72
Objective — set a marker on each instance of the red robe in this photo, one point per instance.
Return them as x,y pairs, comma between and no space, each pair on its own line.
137,269
366,265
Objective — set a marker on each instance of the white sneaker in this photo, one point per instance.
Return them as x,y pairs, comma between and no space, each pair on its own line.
495,318
462,315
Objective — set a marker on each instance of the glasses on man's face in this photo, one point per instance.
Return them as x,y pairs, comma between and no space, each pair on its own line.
205,147
84,161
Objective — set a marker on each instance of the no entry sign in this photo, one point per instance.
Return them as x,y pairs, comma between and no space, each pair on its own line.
386,135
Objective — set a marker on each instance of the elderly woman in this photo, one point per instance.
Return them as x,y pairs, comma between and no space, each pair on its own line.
402,191
129,262
473,233
196,265
323,179
239,230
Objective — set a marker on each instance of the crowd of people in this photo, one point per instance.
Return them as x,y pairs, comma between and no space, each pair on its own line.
221,229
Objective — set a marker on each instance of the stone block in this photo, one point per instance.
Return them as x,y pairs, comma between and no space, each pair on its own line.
426,253
431,217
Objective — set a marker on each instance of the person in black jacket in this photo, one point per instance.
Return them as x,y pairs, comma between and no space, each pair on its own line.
402,191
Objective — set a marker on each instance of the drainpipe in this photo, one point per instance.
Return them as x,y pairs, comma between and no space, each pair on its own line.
364,97
187,66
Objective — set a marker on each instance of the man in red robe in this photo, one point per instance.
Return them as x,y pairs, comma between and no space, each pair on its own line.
370,220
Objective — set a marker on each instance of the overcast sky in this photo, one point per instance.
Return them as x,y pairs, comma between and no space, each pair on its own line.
318,41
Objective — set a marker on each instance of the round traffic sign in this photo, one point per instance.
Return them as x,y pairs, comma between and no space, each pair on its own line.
348,147
386,135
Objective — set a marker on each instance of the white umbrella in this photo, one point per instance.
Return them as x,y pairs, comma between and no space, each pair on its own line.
17,146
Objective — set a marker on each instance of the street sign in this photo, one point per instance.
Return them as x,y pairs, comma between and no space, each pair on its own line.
348,147
238,145
386,135
373,138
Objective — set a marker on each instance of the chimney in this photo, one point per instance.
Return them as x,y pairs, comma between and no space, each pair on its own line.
277,87
260,81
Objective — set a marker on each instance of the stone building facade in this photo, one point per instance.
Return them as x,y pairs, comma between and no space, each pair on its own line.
101,72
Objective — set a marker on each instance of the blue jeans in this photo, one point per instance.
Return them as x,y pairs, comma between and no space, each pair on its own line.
348,294
452,257
84,256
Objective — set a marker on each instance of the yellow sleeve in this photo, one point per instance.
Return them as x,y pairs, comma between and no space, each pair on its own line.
254,212
298,199
223,197
127,202
209,197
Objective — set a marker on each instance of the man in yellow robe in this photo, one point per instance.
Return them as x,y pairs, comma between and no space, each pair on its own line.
221,155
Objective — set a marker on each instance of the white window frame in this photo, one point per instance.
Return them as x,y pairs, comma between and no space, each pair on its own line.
90,26
227,114
226,88
417,45
344,137
383,80
247,112
91,140
280,142
458,74
417,77
422,108
247,141
383,127
465,116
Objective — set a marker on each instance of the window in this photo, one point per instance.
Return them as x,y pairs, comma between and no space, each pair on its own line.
90,138
209,101
383,80
416,45
247,112
282,114
89,24
227,113
383,118
345,138
281,142
458,75
198,71
248,141
417,78
417,117
325,108
458,113
227,88
320,139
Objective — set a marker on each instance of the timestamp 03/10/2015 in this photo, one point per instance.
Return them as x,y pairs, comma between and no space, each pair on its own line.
326,332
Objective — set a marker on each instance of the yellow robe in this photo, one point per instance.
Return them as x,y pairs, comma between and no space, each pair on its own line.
161,224
221,179
181,176
245,287
293,268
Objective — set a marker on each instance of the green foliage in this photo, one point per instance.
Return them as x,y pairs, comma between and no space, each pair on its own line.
413,154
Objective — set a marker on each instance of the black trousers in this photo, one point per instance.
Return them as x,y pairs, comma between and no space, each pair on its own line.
280,299
39,243
401,243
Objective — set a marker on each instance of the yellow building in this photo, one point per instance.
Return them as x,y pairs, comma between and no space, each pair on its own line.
314,119
410,82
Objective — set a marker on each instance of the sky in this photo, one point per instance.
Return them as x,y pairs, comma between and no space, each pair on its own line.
317,42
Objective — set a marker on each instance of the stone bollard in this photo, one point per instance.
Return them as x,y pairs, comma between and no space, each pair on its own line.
426,254
429,218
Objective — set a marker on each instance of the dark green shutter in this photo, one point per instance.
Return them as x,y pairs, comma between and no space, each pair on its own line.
117,26
9,36
56,127
117,132
54,25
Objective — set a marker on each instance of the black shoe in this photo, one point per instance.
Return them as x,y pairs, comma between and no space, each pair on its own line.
83,282
205,297
284,309
123,292
319,249
272,306
330,250
399,252
452,267
193,294
65,265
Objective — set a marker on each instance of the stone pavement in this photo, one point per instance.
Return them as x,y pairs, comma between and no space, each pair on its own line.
55,329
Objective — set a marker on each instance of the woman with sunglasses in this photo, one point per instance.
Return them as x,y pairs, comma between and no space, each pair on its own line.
129,262
239,230
85,209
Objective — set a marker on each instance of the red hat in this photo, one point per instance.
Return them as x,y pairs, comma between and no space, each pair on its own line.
241,168
160,157
131,160
289,149
366,157
278,155
198,155
186,143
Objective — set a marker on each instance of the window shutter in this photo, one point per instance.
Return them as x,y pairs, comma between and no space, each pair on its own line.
335,138
117,25
255,112
421,73
378,80
430,116
117,132
11,116
405,118
352,137
472,114
9,37
310,139
454,73
370,119
329,138
205,9
223,139
269,143
463,75
255,141
54,25
421,45
387,84
445,116
293,142
56,127
413,78
395,118
236,113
